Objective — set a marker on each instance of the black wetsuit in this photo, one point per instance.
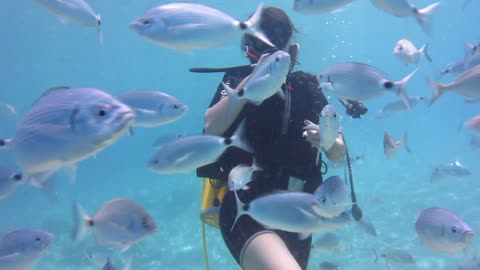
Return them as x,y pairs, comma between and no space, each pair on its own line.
280,156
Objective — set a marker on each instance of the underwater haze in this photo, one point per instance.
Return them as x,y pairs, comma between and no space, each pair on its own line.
39,51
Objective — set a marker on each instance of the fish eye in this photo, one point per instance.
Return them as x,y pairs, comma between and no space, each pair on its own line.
323,200
334,115
155,161
176,106
101,112
454,229
146,22
37,238
277,59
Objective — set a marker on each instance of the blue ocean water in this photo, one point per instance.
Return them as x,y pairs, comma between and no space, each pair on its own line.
38,52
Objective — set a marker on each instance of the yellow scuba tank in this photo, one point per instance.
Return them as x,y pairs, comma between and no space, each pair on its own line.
213,192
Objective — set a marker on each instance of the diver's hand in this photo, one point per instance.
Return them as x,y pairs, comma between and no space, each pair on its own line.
311,135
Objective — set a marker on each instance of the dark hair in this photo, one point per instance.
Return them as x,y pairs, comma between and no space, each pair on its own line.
276,25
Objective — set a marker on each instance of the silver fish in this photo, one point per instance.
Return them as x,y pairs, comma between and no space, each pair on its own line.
319,6
153,108
358,81
443,231
451,170
291,212
191,26
109,265
9,181
397,106
76,11
265,80
190,152
241,175
397,257
458,67
120,223
330,198
407,53
20,249
64,126
465,85
327,243
471,51
97,255
403,8
328,127
390,146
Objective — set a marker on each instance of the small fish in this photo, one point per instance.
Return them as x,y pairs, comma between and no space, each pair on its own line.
190,152
407,53
76,11
241,175
8,108
9,181
471,51
328,127
443,231
320,6
403,8
458,67
289,211
153,108
397,257
120,223
331,197
473,124
265,80
465,85
97,255
191,26
64,126
397,106
390,146
451,170
109,265
20,249
358,81
329,266
327,243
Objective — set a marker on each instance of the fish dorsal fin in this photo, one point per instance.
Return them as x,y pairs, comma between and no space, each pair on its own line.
51,90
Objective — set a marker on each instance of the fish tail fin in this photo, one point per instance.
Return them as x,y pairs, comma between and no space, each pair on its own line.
401,86
469,53
81,222
404,142
238,138
5,143
424,17
438,90
252,26
240,209
423,51
99,30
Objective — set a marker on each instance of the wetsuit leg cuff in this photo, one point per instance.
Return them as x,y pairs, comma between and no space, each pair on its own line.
242,252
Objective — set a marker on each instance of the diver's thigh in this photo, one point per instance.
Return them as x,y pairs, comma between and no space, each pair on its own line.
267,251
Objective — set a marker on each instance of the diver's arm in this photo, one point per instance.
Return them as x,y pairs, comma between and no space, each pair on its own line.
217,120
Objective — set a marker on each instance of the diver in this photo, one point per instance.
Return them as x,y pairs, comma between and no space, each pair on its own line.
274,130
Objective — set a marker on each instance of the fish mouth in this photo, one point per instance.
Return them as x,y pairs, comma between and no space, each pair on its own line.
126,117
469,235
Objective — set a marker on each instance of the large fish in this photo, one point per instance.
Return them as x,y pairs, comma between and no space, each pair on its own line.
64,126
319,6
466,85
190,152
266,79
191,26
331,197
9,181
407,53
403,8
20,249
443,231
397,106
153,108
358,81
76,11
120,223
453,170
291,212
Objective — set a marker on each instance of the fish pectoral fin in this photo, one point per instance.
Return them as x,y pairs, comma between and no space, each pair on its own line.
186,27
146,112
305,212
180,159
